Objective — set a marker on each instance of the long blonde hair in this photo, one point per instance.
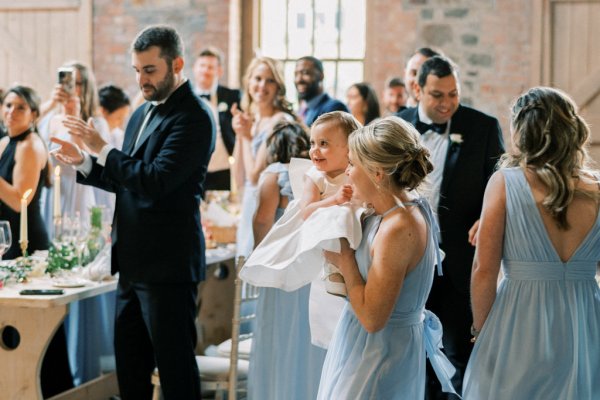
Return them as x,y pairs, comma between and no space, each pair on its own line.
89,91
280,102
550,138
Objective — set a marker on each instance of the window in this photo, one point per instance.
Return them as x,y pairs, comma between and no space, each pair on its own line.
331,30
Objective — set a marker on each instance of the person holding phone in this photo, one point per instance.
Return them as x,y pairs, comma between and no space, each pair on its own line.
90,321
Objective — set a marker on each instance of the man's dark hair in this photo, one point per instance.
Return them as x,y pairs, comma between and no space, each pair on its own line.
112,98
314,60
439,66
427,52
212,52
394,82
162,36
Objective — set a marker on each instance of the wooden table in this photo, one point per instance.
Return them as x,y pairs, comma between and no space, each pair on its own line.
36,318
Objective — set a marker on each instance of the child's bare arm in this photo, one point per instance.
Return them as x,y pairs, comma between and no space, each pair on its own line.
311,198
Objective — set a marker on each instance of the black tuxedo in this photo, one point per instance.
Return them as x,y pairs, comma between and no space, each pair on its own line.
467,169
158,247
220,180
229,97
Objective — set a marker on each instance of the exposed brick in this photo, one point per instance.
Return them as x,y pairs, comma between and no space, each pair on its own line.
437,35
427,13
456,12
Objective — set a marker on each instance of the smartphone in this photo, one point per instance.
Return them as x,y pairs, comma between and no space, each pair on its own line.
66,77
41,292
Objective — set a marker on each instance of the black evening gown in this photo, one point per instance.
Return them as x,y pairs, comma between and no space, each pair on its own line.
55,375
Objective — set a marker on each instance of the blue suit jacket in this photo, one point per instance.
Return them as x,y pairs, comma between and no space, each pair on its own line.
325,105
158,186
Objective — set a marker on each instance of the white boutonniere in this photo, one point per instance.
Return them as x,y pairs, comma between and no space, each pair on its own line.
456,138
222,107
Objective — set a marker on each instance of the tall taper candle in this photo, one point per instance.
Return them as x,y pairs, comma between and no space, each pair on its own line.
23,240
57,207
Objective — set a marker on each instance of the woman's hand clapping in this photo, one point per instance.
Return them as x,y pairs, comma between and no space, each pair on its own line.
242,122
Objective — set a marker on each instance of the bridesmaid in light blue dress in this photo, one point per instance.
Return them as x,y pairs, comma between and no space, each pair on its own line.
540,328
283,362
381,342
264,105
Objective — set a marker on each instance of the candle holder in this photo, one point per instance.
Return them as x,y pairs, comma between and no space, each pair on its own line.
24,244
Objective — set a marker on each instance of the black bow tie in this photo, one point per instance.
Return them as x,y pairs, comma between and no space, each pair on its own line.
205,96
422,127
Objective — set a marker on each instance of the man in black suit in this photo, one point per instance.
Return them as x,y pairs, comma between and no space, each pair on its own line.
308,78
465,145
158,246
208,69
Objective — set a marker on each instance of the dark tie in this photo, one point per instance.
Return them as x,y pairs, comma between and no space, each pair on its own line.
205,96
422,127
149,110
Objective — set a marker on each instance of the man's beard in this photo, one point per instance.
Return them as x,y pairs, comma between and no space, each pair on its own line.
310,92
162,88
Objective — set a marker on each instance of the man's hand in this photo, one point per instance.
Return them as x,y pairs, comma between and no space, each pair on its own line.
67,153
473,233
86,132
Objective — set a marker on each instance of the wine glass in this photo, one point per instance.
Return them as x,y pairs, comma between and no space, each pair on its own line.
5,237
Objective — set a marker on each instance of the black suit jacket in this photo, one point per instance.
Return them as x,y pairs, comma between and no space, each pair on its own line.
468,167
325,105
157,218
229,97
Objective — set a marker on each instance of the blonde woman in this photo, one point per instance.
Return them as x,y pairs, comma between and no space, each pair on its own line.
264,104
538,333
379,347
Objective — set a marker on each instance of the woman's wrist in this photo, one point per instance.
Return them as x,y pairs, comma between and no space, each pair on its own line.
475,333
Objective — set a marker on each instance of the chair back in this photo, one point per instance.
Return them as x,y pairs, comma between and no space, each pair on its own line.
243,293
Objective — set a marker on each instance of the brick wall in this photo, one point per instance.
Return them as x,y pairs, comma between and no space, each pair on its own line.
116,22
490,40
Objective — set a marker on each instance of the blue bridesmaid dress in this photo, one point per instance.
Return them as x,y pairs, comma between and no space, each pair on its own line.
541,339
389,364
283,362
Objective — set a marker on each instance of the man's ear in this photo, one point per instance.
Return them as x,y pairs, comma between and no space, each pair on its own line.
178,64
417,90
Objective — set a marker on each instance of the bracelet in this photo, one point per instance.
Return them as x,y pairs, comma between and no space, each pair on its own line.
474,333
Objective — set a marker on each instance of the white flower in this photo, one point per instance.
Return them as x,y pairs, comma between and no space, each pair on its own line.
456,138
222,107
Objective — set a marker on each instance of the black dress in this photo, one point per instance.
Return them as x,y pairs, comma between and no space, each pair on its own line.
55,375
36,230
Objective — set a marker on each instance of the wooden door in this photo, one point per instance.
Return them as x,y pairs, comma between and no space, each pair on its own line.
568,55
38,36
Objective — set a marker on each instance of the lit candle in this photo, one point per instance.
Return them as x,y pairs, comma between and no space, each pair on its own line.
23,236
233,184
57,192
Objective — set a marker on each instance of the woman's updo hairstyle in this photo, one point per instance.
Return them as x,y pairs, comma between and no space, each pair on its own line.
391,145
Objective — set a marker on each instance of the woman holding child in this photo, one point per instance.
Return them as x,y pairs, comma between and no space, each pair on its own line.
379,347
